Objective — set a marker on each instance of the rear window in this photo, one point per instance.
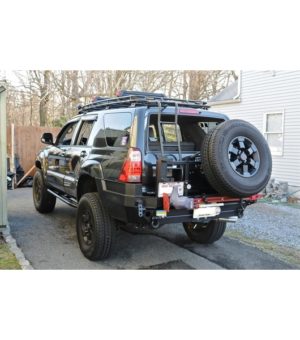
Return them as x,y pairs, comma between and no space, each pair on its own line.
169,132
117,128
190,131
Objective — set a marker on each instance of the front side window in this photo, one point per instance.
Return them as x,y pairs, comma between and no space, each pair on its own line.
117,128
274,132
67,133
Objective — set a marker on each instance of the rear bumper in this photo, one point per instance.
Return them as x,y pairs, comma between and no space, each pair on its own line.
182,215
129,207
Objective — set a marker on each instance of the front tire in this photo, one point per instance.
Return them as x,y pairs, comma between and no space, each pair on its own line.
95,228
205,233
43,201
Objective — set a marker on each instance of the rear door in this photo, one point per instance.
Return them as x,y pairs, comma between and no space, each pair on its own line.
77,153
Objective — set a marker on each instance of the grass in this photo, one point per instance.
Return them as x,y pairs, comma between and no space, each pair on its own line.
287,254
7,258
277,202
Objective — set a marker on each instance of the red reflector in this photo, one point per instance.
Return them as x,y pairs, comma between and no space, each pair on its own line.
255,197
132,168
188,111
166,202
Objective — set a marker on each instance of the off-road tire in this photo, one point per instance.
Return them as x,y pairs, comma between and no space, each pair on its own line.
97,244
43,201
205,157
217,167
205,233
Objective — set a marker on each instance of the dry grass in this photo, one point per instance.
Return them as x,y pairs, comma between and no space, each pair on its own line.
7,258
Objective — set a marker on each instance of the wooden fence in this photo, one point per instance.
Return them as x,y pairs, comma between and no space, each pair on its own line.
25,142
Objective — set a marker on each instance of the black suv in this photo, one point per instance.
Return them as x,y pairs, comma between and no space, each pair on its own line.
142,160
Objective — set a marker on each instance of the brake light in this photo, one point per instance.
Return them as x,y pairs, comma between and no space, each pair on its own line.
132,168
188,111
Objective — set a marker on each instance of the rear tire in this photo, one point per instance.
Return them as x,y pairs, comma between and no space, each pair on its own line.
211,178
43,201
205,233
95,228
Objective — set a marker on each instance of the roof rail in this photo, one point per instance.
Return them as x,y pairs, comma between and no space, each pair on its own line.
136,98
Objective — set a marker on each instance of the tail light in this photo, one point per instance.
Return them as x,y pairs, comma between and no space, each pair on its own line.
132,168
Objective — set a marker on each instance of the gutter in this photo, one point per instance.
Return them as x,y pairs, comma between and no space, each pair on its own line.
239,86
221,102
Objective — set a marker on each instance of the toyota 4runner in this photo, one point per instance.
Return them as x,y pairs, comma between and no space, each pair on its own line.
142,160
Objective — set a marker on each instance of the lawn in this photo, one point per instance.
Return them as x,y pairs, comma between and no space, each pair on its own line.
7,258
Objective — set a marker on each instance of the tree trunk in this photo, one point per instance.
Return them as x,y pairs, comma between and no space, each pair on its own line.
75,91
185,85
44,99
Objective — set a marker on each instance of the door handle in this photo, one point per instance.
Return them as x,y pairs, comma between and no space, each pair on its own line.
83,153
64,152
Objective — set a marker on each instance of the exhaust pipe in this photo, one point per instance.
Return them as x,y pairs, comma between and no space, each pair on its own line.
155,223
231,219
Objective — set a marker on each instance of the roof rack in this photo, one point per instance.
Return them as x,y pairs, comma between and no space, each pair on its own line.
137,98
123,93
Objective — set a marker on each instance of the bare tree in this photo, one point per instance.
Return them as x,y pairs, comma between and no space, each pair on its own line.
50,97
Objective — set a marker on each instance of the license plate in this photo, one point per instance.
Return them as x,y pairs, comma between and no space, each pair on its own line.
206,211
161,213
167,188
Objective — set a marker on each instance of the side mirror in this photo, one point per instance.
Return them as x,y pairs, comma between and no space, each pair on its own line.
47,138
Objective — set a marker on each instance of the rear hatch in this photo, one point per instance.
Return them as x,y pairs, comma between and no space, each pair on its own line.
173,152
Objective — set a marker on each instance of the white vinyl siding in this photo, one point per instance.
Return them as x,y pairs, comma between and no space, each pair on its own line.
265,92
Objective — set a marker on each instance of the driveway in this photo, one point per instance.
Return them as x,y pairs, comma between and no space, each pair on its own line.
49,242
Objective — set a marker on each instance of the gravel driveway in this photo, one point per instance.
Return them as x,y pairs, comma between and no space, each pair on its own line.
277,223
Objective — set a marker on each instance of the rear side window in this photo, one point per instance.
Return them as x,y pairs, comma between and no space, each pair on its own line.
84,133
117,128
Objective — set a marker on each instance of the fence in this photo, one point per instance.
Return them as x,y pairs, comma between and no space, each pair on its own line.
25,142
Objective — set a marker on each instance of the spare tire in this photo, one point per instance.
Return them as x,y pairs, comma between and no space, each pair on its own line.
236,159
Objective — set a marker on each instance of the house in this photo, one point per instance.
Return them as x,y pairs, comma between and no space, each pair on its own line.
270,100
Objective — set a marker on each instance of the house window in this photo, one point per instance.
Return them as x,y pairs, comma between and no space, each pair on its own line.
274,132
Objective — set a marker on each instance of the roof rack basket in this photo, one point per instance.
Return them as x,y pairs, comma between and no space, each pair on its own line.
136,98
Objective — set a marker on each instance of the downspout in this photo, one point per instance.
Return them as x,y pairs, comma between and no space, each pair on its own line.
3,161
239,86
